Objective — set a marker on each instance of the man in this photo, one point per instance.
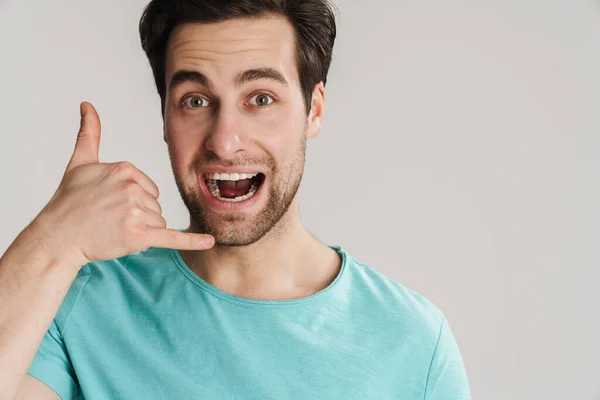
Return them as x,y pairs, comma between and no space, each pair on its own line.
263,310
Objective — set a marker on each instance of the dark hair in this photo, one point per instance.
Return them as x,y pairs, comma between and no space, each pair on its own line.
313,22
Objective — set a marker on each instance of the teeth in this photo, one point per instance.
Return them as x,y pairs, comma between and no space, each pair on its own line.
214,190
229,177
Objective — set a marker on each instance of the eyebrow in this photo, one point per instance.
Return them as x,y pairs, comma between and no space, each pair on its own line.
249,75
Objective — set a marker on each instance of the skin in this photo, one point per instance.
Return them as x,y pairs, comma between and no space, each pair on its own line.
267,253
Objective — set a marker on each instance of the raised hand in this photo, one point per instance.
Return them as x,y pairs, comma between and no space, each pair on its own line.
102,211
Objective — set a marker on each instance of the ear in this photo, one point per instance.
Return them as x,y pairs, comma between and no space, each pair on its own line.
317,111
163,115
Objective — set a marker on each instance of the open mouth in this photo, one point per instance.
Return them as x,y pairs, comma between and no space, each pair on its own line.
233,188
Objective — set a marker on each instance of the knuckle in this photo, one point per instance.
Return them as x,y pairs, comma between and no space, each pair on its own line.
160,210
130,188
162,223
131,201
124,168
134,212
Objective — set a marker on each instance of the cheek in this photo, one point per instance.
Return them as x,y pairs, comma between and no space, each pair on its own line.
183,134
280,129
182,145
179,128
286,144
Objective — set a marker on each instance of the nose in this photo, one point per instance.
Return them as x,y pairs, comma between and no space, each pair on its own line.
225,138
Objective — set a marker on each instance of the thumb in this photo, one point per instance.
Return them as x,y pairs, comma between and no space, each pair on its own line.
88,138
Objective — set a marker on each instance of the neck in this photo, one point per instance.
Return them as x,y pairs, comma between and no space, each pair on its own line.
288,262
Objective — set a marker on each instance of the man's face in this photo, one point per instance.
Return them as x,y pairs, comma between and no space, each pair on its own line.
218,122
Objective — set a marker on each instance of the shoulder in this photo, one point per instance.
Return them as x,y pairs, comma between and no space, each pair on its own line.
141,266
111,286
105,276
410,312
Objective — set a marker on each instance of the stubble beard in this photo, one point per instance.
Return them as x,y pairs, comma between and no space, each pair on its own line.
237,229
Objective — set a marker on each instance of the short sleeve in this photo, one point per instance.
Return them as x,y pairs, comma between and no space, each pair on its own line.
52,366
447,378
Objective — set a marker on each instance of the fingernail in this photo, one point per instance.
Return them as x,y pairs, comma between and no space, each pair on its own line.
81,110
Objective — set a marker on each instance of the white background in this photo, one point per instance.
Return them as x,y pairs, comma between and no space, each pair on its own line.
459,156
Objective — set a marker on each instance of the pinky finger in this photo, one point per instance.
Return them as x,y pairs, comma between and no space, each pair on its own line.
153,219
174,239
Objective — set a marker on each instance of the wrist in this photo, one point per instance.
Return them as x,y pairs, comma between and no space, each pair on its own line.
42,239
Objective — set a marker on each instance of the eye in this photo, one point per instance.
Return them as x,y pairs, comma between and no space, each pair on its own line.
196,102
262,99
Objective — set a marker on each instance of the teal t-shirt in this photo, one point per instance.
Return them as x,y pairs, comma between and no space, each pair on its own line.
144,326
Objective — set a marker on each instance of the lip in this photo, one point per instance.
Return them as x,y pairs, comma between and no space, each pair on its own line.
248,205
221,170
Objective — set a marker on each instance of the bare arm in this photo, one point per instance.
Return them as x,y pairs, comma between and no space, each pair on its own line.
100,211
33,389
34,281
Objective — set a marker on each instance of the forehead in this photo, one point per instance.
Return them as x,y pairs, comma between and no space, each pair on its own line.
222,49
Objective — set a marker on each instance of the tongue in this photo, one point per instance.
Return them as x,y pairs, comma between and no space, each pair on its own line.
233,189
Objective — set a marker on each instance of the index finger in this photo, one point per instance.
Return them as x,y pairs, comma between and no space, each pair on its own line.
144,181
